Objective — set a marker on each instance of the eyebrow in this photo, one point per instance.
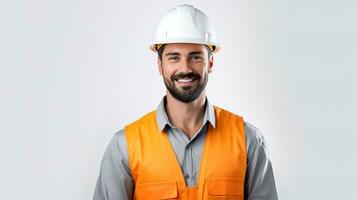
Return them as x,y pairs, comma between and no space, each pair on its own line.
172,54
177,54
196,52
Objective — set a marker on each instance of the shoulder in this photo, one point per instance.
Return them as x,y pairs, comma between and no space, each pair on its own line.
117,145
255,140
253,133
120,138
222,112
143,118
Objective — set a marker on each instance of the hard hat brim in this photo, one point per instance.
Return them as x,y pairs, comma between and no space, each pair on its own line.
156,46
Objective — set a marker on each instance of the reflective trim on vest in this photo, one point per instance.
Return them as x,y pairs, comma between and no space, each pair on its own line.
157,174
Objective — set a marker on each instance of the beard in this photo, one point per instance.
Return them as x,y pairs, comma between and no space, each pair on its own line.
186,93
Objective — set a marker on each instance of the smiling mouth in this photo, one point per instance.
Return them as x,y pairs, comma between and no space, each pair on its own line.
185,80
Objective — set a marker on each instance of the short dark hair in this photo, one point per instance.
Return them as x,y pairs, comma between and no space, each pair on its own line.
161,50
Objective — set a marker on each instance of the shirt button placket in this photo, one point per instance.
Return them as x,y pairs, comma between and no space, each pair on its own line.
189,164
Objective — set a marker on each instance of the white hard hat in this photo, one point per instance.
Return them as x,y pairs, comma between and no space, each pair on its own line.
185,24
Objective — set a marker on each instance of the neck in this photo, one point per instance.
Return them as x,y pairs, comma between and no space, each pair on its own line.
186,116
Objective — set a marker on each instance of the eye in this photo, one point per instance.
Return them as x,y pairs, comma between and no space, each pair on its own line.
173,58
196,58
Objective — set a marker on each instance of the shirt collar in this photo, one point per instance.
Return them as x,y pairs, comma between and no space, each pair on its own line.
163,120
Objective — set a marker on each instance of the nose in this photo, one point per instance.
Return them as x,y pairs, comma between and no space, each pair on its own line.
185,66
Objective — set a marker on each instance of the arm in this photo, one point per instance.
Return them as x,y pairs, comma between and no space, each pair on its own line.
259,179
114,181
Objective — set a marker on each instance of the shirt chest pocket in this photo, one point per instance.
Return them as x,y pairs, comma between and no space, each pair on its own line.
225,189
157,190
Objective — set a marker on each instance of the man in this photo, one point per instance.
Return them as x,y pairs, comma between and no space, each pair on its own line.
187,148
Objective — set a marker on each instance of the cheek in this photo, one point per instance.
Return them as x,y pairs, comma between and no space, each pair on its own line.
166,73
167,69
202,68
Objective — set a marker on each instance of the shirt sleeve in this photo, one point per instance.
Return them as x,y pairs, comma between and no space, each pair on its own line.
114,180
259,179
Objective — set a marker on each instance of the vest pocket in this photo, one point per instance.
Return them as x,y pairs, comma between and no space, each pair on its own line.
156,190
225,188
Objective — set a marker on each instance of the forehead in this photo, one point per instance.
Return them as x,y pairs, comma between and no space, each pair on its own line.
184,48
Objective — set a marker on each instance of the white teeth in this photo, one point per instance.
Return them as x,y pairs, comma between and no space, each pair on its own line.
184,80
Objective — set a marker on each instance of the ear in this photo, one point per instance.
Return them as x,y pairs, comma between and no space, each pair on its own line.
210,64
159,65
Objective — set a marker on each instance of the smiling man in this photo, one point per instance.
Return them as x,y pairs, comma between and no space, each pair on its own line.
187,148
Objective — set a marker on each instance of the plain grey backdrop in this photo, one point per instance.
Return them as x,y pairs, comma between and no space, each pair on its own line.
73,72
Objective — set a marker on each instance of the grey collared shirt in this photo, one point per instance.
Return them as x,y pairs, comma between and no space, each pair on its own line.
115,181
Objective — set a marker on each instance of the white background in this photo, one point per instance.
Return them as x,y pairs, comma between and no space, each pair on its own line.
73,72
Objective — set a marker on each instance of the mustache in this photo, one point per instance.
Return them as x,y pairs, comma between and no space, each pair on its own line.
190,75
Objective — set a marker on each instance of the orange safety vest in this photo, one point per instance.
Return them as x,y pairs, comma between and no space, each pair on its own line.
157,174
